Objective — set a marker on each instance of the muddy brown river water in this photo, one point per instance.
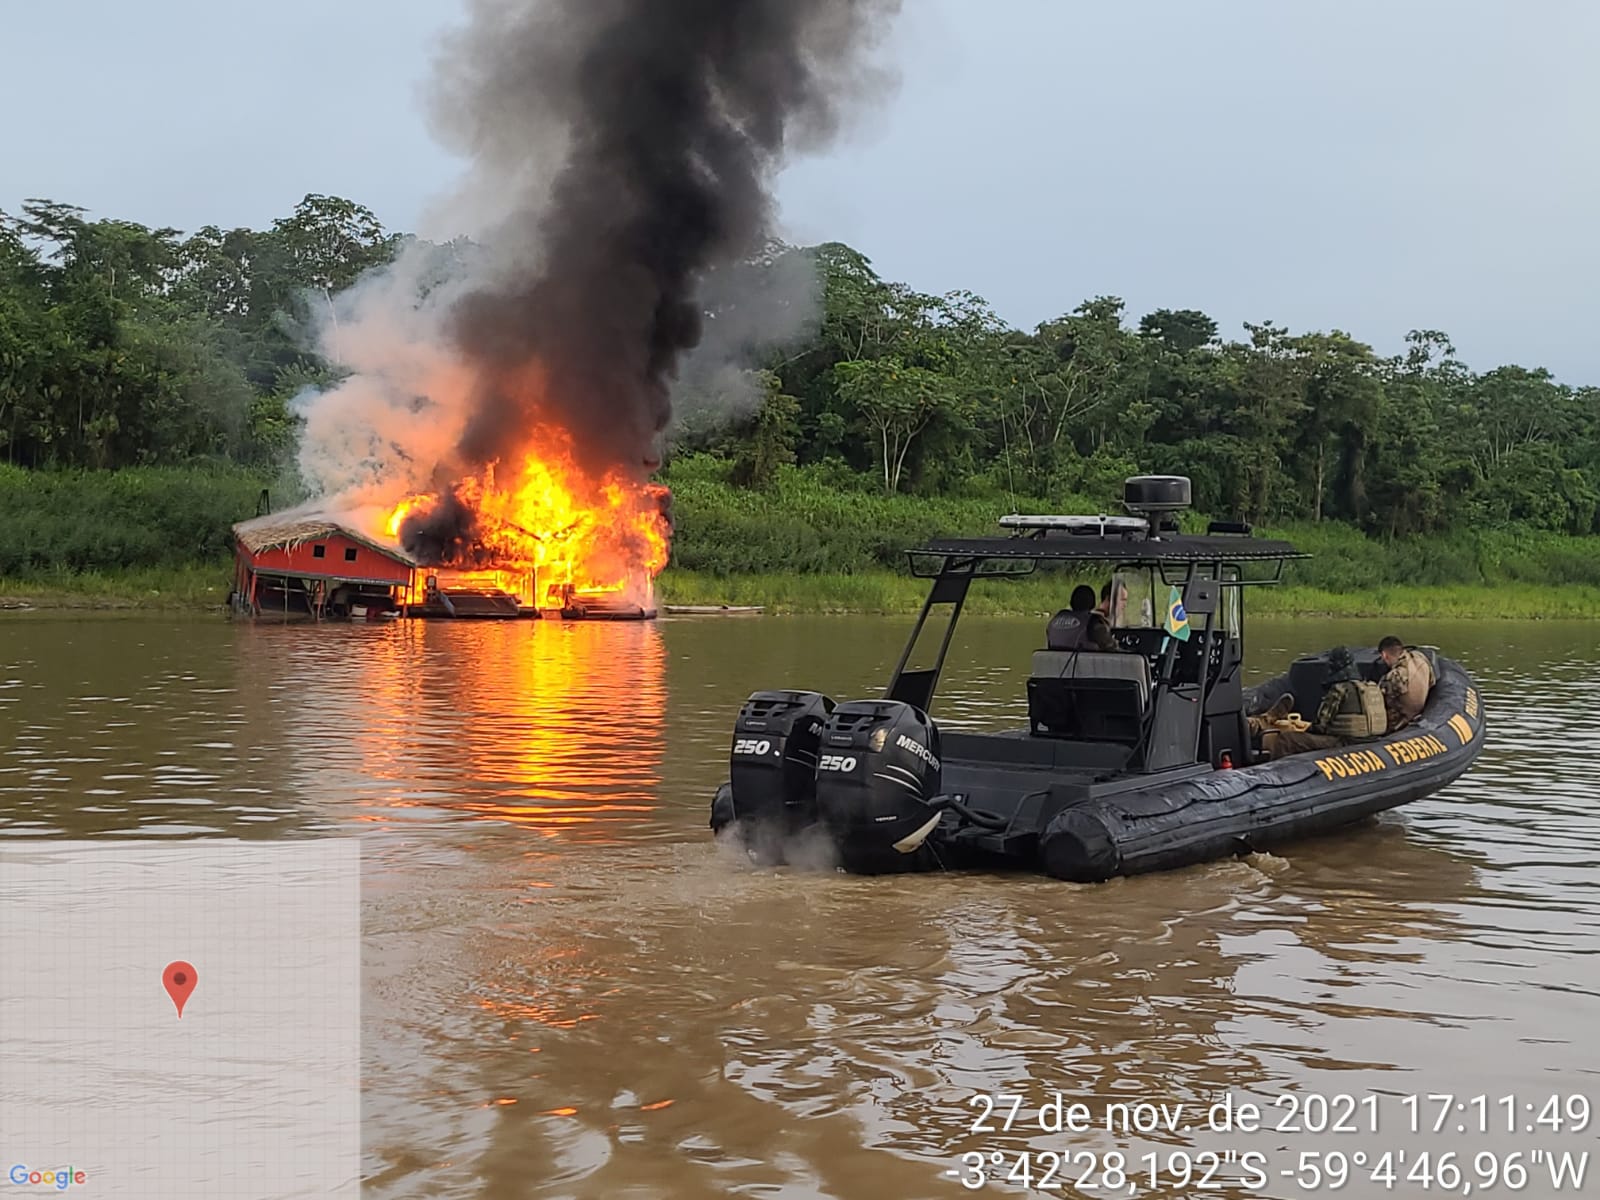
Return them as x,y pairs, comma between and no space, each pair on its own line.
569,991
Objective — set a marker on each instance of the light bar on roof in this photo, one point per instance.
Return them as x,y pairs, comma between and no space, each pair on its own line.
1100,525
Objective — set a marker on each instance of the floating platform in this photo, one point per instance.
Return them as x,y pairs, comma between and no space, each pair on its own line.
707,610
486,605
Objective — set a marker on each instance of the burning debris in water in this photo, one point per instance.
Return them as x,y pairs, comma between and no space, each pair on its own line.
509,406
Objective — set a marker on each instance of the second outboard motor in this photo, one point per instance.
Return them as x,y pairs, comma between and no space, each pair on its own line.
878,771
771,791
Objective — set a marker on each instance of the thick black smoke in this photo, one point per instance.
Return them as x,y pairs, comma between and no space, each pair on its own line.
671,118
446,534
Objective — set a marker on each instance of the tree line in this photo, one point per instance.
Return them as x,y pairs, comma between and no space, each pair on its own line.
122,345
935,393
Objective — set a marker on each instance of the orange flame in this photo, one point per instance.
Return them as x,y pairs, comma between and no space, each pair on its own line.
540,511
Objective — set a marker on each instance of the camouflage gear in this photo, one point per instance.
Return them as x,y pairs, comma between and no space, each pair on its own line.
1280,743
1287,742
1405,688
1328,709
1352,708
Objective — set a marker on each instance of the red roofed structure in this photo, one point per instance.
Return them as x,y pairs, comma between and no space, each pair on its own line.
289,564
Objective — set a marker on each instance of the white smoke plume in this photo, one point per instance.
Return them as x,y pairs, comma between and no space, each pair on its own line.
752,309
380,434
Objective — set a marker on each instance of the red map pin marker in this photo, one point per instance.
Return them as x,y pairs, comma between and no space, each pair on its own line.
178,979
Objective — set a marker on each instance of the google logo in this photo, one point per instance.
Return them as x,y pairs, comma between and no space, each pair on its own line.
61,1179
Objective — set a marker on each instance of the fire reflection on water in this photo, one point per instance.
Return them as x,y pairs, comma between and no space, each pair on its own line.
555,727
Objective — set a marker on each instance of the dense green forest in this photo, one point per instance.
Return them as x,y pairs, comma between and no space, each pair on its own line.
934,393
128,347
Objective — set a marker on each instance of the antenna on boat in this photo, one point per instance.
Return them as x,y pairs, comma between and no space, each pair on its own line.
1157,498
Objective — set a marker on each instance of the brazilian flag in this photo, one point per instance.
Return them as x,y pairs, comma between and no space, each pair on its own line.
1177,623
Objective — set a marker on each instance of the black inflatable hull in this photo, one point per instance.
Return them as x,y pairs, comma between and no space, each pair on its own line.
1222,813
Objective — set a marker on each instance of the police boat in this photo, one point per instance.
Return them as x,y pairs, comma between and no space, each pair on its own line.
1134,759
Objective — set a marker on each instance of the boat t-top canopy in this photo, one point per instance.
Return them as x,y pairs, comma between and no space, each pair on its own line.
1201,568
1150,537
1181,548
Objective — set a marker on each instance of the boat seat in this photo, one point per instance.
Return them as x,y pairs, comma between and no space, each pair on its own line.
1086,710
1094,664
1091,696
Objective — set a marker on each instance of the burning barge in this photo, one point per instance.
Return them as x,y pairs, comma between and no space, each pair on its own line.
310,567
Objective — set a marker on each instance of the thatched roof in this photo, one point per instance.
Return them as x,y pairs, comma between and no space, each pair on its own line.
296,525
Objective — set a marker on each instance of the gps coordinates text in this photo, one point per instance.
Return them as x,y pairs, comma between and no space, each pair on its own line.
1358,1159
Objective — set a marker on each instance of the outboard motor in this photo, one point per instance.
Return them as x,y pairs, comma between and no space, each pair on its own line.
771,792
877,774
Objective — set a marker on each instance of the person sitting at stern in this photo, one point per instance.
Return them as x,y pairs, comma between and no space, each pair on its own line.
1405,685
1352,709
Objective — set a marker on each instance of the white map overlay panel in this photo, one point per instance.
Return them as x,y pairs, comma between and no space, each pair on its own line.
254,1094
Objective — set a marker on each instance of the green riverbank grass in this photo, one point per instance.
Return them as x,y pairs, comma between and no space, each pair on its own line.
204,587
58,525
886,592
191,587
1559,602
863,592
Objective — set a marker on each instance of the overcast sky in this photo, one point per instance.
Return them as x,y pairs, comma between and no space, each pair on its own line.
1369,165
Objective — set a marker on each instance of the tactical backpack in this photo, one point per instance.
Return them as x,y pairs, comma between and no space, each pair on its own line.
1353,708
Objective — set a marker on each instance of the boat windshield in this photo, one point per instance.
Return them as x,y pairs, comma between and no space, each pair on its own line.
1230,615
1140,593
1133,598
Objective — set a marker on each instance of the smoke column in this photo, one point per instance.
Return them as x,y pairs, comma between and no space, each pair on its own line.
666,121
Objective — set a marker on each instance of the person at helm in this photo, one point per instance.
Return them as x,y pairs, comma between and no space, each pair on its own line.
1113,601
1080,627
